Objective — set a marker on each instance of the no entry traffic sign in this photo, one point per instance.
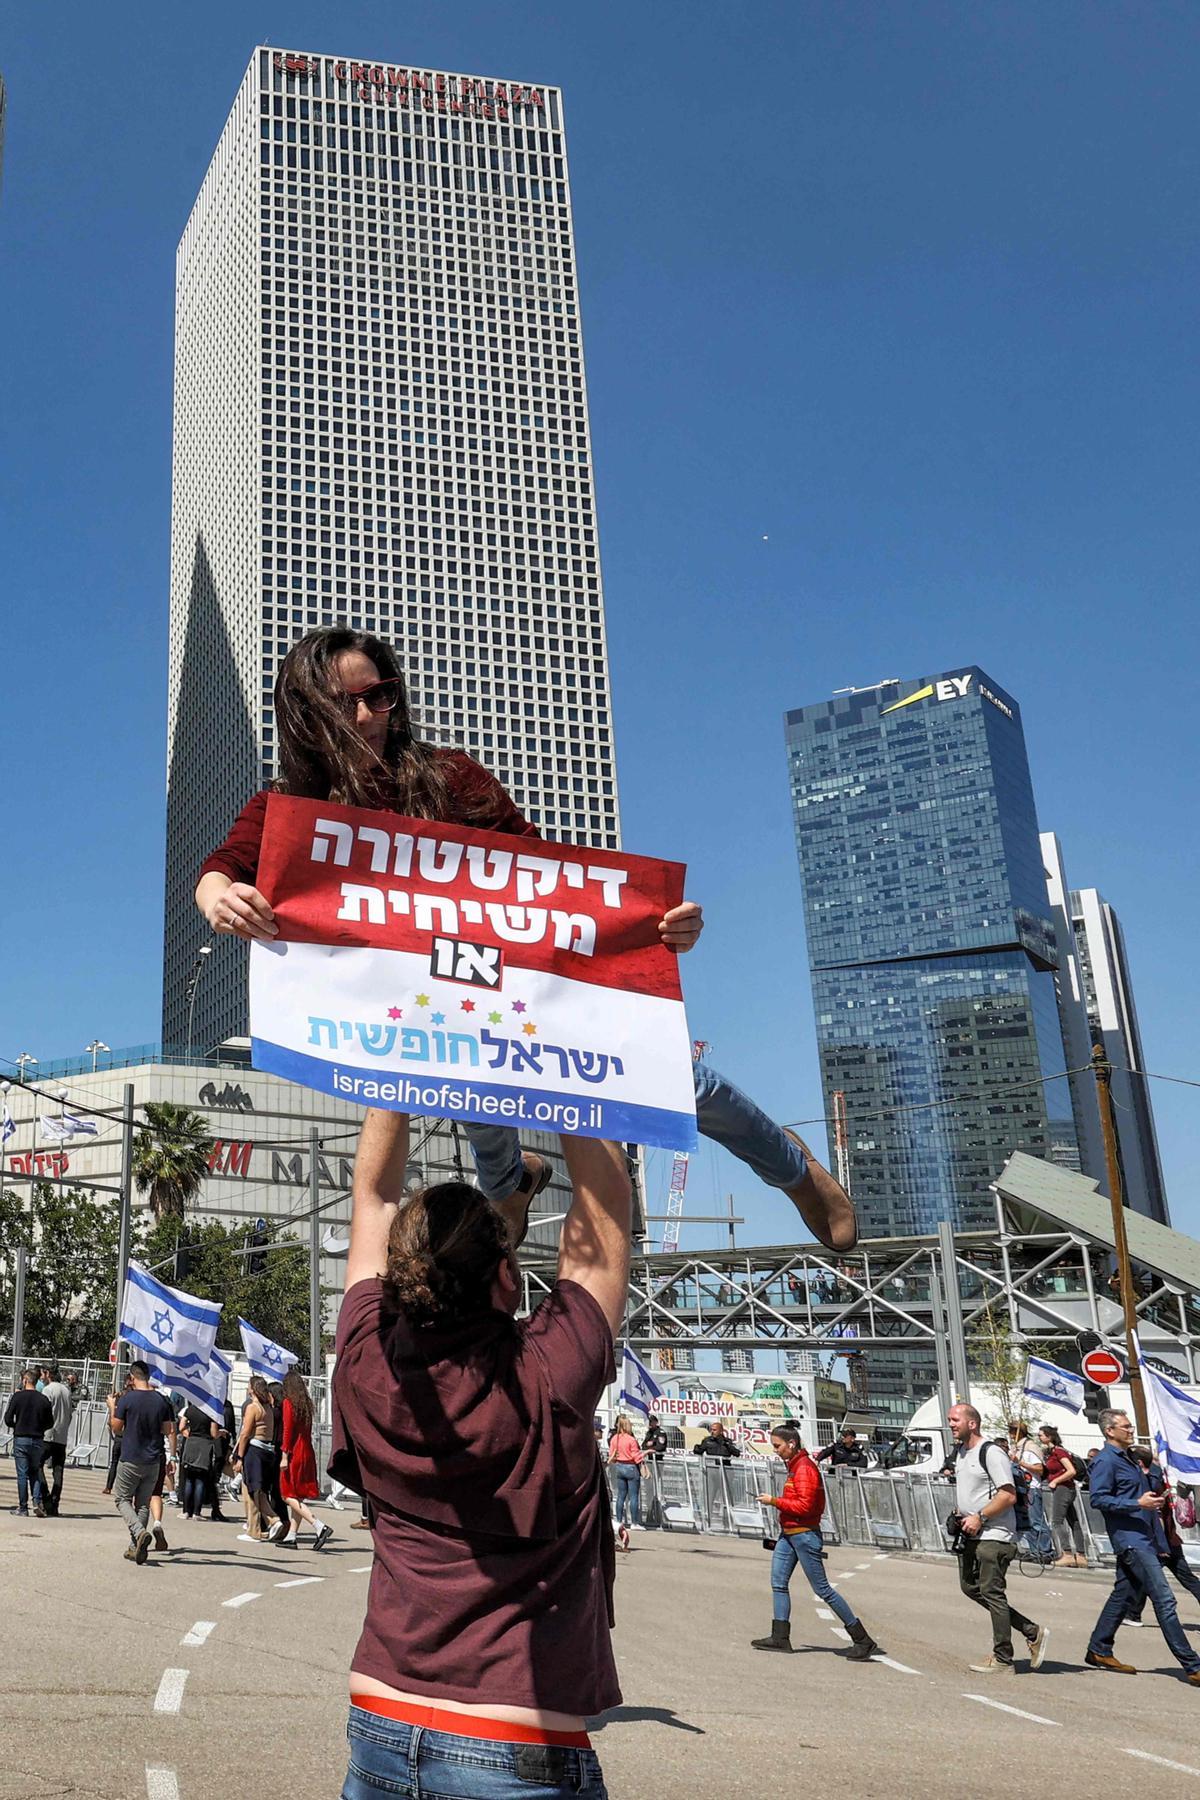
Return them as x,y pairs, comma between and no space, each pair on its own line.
1102,1367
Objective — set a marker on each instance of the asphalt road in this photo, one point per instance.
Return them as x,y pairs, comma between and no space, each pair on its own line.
123,1682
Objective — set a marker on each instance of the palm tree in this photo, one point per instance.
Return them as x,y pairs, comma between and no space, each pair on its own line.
170,1157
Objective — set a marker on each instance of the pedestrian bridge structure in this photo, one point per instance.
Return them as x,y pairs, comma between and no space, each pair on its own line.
1046,1267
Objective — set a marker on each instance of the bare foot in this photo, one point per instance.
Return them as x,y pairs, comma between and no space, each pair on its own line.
823,1203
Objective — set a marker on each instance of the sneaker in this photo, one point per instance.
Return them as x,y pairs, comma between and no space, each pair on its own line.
1111,1663
1037,1647
248,1537
131,1553
19,1512
39,1511
324,1533
160,1539
1134,1624
992,1667
141,1547
275,1530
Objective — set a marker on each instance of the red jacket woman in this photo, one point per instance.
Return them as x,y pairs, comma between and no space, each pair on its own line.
802,1501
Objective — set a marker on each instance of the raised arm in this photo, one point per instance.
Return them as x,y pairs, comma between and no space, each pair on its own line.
594,1246
379,1166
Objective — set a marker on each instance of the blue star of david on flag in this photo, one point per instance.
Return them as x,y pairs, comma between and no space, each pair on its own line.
639,1389
1058,1387
162,1327
1174,1419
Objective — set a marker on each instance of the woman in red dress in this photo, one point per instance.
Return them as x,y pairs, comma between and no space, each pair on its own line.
298,1466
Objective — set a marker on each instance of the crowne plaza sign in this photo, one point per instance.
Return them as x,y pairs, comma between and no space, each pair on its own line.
423,88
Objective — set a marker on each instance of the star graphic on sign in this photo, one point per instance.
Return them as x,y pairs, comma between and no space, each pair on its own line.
422,999
468,1006
518,1006
438,1018
494,1018
394,1012
162,1327
529,1029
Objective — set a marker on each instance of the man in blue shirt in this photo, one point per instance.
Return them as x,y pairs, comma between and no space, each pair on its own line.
1122,1492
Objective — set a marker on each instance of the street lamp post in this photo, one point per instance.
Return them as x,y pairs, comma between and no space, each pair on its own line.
93,1050
198,966
22,1061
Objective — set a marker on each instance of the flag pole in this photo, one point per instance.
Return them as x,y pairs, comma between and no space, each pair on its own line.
126,1221
1102,1070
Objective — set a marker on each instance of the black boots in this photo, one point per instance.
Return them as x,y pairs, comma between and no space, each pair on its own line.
863,1645
780,1638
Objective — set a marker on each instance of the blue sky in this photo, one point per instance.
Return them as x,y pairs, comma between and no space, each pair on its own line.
890,320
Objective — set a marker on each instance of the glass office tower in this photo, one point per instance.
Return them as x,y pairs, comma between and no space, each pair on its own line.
930,944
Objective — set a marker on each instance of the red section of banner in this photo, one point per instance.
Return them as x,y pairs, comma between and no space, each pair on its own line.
468,899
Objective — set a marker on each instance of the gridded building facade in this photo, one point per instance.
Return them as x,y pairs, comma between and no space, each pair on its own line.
930,943
380,419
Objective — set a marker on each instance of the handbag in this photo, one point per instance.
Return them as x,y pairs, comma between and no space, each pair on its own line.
1185,1513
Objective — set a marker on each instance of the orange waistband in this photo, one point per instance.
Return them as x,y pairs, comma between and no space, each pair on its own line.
434,1718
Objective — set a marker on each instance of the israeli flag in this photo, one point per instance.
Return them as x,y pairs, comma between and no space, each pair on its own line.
7,1128
638,1387
269,1360
1174,1419
57,1128
203,1388
1046,1381
169,1327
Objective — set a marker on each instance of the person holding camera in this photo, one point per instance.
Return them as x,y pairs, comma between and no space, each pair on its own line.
799,1545
983,1532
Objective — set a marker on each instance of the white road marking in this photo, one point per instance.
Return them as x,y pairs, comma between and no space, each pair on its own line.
862,1565
881,1558
823,1612
242,1599
300,1581
1016,1711
169,1697
199,1632
362,1569
1164,1762
839,1631
846,1575
893,1664
161,1783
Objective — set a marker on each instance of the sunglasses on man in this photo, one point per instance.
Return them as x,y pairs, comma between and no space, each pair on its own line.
379,697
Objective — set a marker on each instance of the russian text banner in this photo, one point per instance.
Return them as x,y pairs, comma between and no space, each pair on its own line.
436,969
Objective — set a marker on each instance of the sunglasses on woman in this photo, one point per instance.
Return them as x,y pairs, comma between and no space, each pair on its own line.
379,697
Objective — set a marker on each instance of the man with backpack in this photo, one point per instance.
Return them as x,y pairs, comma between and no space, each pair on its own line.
985,1495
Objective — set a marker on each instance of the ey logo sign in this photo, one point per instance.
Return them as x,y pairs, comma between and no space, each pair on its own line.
951,687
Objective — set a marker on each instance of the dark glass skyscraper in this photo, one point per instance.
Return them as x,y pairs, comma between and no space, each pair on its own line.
930,943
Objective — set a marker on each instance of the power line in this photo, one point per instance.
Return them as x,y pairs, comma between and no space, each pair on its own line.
1007,1087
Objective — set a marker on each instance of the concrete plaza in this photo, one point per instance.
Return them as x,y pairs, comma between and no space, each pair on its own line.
121,1682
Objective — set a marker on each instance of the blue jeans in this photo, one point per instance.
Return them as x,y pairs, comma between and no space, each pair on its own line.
27,1454
723,1113
629,1492
389,1757
1184,1574
804,1547
1039,1536
1140,1572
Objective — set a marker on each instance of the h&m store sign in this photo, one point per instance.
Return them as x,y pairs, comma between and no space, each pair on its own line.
466,94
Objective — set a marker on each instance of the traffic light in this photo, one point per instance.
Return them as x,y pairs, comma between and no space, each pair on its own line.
258,1241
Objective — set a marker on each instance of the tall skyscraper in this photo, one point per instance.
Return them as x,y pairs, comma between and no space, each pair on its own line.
380,418
1073,1017
931,948
1112,1019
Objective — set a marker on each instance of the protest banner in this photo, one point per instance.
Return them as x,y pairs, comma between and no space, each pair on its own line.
437,969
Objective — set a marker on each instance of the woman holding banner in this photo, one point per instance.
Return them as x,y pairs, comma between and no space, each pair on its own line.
346,734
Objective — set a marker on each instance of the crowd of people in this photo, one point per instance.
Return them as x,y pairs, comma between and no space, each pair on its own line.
39,1416
167,1452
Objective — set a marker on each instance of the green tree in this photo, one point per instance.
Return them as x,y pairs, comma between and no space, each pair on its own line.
170,1157
275,1302
71,1273
998,1359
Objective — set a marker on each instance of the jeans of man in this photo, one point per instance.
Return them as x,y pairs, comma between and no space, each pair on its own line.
1040,1540
723,1113
982,1569
804,1548
27,1455
390,1756
134,1485
1183,1572
53,1464
1140,1575
629,1492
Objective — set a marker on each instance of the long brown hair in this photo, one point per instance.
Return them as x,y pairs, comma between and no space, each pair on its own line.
262,1393
444,1249
322,756
297,1397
